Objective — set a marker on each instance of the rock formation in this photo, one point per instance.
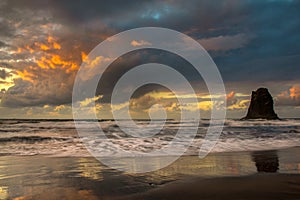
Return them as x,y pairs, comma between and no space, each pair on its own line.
261,105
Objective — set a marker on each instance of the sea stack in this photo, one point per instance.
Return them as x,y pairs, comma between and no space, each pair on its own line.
261,105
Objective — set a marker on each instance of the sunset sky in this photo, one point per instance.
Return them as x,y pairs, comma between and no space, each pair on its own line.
43,42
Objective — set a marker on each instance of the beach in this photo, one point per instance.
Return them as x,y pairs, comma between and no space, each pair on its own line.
271,174
48,159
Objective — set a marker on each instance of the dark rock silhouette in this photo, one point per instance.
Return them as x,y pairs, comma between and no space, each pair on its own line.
266,161
261,105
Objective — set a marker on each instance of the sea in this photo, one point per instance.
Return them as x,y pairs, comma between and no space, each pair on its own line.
59,138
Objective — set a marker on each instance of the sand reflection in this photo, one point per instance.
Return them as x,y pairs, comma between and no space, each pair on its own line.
266,161
89,168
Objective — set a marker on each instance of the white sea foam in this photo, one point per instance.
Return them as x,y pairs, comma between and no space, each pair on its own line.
59,138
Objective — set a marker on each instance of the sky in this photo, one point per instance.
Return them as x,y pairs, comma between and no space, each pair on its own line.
254,44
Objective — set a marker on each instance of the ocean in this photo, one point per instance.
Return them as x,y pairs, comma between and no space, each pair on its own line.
59,138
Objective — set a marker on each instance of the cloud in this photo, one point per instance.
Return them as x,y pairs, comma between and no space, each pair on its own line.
2,44
231,100
88,101
290,97
6,30
295,92
128,61
143,103
140,43
44,56
239,105
4,74
237,101
40,112
224,43
48,80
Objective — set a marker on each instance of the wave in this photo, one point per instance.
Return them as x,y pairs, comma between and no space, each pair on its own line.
59,137
31,139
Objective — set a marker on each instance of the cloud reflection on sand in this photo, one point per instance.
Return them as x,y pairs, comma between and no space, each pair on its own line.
41,177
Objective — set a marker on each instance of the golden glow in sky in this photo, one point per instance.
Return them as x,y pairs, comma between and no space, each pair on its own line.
9,81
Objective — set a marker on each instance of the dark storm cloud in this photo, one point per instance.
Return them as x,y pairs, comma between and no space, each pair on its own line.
25,93
272,29
202,18
80,11
136,58
273,53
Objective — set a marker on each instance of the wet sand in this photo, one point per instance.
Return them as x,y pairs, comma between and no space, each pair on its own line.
240,175
258,186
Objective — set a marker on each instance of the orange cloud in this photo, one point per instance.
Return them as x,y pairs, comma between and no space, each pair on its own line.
231,98
25,75
56,45
48,60
44,47
55,61
48,44
230,95
295,92
50,39
291,97
83,56
30,49
19,50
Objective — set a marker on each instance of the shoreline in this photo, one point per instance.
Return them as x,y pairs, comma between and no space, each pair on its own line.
217,153
43,177
268,182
